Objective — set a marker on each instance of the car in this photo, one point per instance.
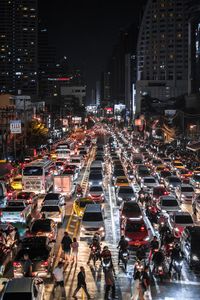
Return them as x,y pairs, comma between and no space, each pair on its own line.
71,170
93,221
23,288
52,209
168,204
184,173
196,204
77,160
41,253
141,172
159,191
95,179
121,181
16,183
124,193
148,183
27,197
163,174
190,245
185,193
130,210
96,193
177,164
43,227
55,196
79,205
171,182
16,211
177,221
137,232
195,181
117,173
196,170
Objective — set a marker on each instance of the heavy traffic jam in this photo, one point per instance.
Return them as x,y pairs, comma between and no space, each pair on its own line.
127,208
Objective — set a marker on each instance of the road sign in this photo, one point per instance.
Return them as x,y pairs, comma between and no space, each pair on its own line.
15,126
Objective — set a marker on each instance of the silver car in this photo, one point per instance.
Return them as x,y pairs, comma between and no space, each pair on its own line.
185,193
169,204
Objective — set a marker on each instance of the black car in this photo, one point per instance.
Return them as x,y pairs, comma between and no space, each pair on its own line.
41,254
54,196
190,245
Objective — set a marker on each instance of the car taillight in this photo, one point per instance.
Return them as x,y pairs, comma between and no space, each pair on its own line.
16,264
142,228
1,213
44,264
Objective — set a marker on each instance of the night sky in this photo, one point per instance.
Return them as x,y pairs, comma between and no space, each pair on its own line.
86,32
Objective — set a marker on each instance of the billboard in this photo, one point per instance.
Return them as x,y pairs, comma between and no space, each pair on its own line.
15,126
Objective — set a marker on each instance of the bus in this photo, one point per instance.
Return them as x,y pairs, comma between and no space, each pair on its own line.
37,176
62,153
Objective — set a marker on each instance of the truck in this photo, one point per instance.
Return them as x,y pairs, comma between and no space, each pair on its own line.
64,184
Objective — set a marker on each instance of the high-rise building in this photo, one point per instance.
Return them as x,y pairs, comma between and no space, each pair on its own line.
105,89
162,50
194,48
18,46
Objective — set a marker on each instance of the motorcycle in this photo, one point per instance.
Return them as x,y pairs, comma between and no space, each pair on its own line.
124,256
177,265
106,263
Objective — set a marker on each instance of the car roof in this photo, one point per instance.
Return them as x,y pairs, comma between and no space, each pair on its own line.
186,185
18,285
149,177
93,208
168,197
51,203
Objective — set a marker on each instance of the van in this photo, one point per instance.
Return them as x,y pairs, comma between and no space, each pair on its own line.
92,221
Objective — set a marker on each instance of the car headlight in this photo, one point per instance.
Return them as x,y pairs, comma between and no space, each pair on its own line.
195,258
127,239
176,229
171,186
82,228
101,228
120,199
100,182
133,198
147,238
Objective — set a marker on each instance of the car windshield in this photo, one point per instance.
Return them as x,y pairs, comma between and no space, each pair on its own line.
157,162
32,171
126,191
15,204
41,225
144,172
83,203
165,174
135,227
187,189
17,179
169,202
53,208
119,173
75,161
51,196
184,219
131,206
92,217
174,179
121,180
149,180
96,189
95,176
178,164
17,295
137,161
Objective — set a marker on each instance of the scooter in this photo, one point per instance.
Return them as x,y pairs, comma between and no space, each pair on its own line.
124,257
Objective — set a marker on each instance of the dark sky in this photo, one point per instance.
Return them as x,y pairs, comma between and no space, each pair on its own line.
85,32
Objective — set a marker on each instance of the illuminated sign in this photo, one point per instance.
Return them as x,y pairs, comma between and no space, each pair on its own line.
60,79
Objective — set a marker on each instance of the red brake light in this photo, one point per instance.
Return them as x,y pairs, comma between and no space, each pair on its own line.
16,264
44,264
165,193
0,213
142,228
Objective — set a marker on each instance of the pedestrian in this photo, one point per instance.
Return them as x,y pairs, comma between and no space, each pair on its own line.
58,274
145,283
27,266
110,283
81,283
66,246
74,247
136,286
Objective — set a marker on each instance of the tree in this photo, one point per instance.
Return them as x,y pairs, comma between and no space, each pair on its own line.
37,134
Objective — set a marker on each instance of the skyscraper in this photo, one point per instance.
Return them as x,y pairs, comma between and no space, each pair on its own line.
18,46
194,48
162,50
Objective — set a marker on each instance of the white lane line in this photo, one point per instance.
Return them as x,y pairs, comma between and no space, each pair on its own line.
111,213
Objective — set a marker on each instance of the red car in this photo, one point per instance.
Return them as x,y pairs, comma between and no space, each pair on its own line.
135,232
96,194
159,191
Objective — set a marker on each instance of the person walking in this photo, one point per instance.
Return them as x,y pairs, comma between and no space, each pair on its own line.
145,283
66,246
74,247
27,266
136,286
58,274
110,283
81,283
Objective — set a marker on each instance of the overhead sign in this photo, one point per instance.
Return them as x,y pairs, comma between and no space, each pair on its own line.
15,126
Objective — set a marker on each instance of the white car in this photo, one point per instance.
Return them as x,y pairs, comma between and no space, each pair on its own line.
148,183
16,211
196,204
185,193
169,204
52,209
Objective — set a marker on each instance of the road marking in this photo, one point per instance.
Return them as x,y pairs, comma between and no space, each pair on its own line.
111,212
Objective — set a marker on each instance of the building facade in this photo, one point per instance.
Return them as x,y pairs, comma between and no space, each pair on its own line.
18,46
162,51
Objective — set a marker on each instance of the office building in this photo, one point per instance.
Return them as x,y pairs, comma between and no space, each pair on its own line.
162,50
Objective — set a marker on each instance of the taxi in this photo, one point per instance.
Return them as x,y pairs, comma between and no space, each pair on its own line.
79,205
160,168
16,184
53,155
196,170
121,181
177,164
